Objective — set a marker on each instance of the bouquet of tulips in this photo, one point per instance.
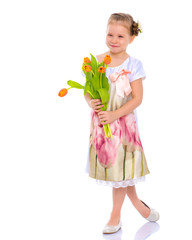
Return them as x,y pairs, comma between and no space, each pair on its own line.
96,84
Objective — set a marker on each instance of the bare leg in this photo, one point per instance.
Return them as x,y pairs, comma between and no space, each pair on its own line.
141,208
118,199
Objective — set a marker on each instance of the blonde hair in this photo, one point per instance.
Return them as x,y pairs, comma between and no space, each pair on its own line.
127,21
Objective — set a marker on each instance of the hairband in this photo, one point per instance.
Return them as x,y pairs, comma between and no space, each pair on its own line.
139,27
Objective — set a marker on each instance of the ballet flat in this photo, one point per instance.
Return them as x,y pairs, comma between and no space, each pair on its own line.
153,216
112,229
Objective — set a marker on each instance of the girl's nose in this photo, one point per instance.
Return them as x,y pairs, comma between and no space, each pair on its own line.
114,40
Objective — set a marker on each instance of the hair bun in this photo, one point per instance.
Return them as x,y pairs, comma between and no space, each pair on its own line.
135,28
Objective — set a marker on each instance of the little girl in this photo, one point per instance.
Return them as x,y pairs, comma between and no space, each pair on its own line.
119,161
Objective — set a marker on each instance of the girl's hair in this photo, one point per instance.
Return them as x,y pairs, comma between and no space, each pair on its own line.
127,21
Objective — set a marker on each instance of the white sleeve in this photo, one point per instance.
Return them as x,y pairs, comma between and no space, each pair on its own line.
82,73
137,71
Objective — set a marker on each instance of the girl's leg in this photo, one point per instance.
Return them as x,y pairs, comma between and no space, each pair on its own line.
118,199
141,208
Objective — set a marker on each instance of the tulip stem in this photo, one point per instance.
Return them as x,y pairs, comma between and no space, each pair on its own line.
91,94
100,80
109,130
105,130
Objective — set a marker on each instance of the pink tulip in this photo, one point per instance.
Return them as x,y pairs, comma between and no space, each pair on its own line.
129,130
106,148
124,131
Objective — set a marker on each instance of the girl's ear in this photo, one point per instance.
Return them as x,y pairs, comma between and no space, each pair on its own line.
132,39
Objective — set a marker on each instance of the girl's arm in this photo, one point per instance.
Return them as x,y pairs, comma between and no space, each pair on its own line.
137,96
87,98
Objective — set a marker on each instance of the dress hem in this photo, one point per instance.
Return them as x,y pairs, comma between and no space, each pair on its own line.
121,184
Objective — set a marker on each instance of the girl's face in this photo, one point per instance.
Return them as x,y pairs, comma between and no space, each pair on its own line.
117,38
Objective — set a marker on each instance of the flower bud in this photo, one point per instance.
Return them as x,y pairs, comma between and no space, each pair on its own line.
62,92
107,59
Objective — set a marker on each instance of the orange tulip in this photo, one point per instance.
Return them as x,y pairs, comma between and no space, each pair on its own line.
87,60
101,69
87,68
62,92
107,59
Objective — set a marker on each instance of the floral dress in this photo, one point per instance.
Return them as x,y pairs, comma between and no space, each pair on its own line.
118,161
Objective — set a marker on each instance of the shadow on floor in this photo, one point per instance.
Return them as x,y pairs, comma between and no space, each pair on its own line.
142,233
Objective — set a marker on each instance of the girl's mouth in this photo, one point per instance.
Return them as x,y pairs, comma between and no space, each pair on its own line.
114,46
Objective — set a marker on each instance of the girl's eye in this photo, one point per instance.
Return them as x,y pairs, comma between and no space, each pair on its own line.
109,35
121,36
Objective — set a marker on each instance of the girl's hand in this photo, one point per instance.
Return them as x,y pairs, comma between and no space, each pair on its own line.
106,117
95,104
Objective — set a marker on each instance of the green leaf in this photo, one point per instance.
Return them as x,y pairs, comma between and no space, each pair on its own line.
95,81
105,82
89,88
104,94
89,76
74,84
93,63
104,108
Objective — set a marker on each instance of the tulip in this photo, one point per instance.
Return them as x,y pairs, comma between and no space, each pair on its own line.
87,68
102,69
87,60
63,92
107,59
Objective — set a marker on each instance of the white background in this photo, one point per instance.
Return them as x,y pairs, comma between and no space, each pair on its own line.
44,191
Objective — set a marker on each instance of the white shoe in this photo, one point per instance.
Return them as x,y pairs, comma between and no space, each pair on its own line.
153,216
112,229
